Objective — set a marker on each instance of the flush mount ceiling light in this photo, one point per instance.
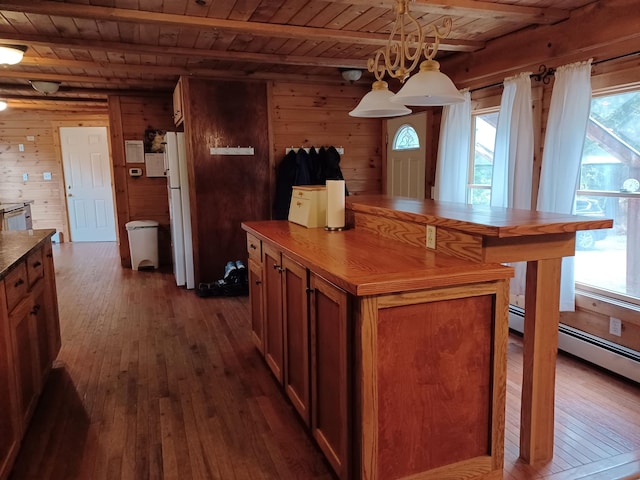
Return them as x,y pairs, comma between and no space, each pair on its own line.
3,105
351,74
45,87
400,56
11,54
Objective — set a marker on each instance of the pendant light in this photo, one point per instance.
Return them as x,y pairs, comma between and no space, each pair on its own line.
377,103
3,105
398,58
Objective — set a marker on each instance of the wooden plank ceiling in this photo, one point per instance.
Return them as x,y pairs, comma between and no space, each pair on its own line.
96,47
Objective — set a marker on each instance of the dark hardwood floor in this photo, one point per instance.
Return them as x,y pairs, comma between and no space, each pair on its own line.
153,382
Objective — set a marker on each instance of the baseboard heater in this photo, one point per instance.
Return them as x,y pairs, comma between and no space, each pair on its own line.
600,352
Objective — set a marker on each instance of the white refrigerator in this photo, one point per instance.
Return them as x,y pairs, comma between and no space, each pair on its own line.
179,209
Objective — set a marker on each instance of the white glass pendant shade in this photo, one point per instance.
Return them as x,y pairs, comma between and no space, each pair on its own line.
45,87
377,103
429,87
3,105
10,55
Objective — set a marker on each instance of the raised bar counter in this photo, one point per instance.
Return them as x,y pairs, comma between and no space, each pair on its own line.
490,234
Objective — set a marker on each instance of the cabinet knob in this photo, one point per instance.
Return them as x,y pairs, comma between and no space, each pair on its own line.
35,310
253,247
18,283
36,264
258,282
310,290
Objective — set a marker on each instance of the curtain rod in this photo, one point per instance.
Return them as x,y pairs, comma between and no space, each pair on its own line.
545,73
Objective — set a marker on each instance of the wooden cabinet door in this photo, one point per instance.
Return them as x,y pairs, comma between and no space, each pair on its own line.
51,303
295,310
272,278
41,335
25,355
255,297
330,390
9,425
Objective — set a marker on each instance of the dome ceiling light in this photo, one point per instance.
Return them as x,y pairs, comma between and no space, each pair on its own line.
45,87
11,54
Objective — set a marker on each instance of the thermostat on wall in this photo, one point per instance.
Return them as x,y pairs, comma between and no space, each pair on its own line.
135,172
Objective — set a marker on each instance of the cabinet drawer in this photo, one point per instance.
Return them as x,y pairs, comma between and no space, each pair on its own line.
254,247
35,267
16,285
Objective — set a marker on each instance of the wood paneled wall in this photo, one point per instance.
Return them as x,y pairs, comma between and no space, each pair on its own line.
318,115
225,189
139,198
38,132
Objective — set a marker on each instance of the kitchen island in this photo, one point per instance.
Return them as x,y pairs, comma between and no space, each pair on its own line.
393,355
29,332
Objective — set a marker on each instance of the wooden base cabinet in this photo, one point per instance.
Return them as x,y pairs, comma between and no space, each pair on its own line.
407,352
29,343
9,425
285,325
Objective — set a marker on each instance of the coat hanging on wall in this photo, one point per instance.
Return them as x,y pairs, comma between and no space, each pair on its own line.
302,167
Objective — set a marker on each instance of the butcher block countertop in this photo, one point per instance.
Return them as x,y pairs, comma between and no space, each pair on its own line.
15,245
366,264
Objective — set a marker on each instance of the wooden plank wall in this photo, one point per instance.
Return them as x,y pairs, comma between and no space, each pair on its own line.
139,198
42,154
318,115
225,189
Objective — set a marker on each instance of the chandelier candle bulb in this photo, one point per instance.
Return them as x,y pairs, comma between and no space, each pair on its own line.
335,205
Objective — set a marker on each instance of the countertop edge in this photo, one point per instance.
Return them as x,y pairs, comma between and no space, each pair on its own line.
16,245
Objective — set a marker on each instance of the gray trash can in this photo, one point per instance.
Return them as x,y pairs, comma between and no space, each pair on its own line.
143,243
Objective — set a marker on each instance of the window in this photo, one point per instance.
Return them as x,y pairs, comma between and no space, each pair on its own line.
406,138
481,163
608,261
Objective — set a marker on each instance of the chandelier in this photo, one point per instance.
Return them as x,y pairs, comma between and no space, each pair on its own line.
398,58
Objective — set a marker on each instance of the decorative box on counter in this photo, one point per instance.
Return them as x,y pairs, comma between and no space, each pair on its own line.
309,206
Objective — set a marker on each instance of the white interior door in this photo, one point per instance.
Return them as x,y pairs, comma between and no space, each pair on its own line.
87,174
406,155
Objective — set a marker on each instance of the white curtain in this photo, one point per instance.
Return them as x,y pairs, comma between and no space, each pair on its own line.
452,167
512,177
513,154
566,129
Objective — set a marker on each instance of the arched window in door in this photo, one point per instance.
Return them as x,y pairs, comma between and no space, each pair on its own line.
406,138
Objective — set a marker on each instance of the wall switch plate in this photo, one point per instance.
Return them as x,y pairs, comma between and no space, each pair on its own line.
31,138
615,326
25,177
431,236
21,147
46,176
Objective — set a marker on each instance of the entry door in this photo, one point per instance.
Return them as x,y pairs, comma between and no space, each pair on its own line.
87,174
406,155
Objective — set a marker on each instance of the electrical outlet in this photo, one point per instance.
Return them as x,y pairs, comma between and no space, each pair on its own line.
25,177
615,326
46,176
431,236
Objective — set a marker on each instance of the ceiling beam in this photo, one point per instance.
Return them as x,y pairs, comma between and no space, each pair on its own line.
474,8
45,7
75,43
11,72
165,84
